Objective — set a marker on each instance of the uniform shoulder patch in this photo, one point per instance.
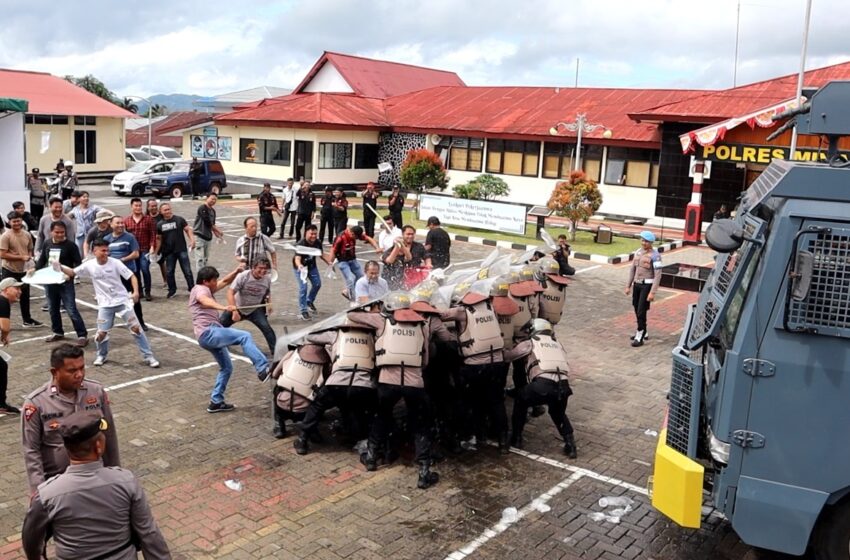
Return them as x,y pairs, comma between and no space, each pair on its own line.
29,411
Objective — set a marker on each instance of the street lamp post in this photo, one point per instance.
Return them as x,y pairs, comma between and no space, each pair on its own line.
150,108
580,126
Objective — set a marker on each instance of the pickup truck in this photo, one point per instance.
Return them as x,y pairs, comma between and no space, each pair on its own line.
176,183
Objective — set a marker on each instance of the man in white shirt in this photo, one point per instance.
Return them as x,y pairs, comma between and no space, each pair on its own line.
388,237
290,206
112,300
371,286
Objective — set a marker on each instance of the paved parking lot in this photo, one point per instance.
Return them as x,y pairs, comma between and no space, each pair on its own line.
325,505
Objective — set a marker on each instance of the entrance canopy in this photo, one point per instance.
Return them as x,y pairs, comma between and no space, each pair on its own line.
12,105
708,135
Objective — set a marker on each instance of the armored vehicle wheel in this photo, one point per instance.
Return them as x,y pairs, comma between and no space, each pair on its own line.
831,539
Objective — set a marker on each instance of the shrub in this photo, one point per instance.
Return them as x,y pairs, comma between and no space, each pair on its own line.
483,187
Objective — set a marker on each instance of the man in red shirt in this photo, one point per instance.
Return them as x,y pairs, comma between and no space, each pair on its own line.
143,227
344,251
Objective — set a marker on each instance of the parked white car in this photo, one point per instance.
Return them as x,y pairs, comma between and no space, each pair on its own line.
162,152
135,180
135,155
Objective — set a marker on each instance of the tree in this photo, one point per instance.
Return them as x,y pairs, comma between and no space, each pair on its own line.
128,104
483,187
575,199
422,169
95,86
158,110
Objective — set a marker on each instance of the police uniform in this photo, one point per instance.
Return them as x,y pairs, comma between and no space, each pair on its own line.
92,511
43,411
296,378
548,383
482,377
526,296
644,278
401,353
350,385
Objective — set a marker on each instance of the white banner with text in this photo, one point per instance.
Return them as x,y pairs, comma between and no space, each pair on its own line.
481,214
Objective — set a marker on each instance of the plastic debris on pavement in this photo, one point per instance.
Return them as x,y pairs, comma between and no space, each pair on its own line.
509,515
234,485
621,506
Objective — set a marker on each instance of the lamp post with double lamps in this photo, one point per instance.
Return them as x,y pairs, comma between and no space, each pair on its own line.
150,109
580,126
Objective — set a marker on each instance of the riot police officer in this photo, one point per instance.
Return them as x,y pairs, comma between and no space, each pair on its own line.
553,296
296,375
401,352
547,371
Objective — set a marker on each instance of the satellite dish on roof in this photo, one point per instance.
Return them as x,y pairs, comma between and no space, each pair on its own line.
435,139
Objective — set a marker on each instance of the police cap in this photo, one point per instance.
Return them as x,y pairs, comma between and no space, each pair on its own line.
81,426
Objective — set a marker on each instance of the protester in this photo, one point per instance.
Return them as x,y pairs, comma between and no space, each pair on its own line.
344,250
340,210
254,245
10,291
438,244
215,338
267,203
108,275
396,206
16,249
326,216
55,214
389,233
406,259
306,272
370,207
143,228
251,295
30,222
306,206
101,228
83,215
290,207
205,229
124,247
152,210
171,246
371,286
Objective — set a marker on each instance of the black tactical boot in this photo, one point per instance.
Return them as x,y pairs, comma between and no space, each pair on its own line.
504,444
570,446
426,477
301,445
516,441
279,430
370,458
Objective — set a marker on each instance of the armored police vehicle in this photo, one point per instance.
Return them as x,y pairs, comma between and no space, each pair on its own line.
758,421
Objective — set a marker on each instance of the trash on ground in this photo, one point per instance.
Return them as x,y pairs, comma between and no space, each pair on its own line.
509,515
234,485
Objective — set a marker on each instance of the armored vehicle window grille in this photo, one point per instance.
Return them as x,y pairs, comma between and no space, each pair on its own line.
684,405
765,183
724,280
826,308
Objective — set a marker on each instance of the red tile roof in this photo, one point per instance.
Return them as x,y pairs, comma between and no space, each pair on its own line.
528,111
174,121
186,121
379,78
51,95
713,106
337,110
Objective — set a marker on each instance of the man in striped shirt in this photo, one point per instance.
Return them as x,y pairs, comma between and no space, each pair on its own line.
254,245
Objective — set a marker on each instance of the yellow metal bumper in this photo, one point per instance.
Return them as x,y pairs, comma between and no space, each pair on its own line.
677,485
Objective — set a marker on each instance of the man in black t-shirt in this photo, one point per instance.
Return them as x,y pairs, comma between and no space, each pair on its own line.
395,205
171,246
370,200
10,292
306,272
65,252
438,244
306,207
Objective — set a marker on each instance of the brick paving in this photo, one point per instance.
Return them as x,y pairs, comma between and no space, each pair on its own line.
325,505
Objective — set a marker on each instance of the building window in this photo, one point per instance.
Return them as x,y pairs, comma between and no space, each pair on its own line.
85,121
591,161
46,119
466,154
334,155
558,160
365,156
85,146
632,167
269,152
513,157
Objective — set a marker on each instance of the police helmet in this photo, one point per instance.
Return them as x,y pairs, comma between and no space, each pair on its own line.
541,326
526,273
547,265
397,300
69,164
500,286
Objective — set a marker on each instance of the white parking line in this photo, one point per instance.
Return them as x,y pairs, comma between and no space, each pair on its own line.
502,525
160,376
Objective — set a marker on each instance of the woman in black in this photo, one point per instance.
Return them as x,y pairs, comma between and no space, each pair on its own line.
327,216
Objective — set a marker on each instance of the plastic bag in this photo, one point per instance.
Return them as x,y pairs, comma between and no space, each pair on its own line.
616,501
331,273
303,273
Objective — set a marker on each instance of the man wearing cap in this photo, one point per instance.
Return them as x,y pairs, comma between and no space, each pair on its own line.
16,249
67,392
38,194
644,278
251,295
55,214
61,251
91,511
108,276
101,228
10,291
438,244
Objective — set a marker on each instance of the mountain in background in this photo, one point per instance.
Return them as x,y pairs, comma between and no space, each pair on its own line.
174,102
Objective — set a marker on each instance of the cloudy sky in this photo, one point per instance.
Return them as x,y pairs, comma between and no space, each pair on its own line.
216,46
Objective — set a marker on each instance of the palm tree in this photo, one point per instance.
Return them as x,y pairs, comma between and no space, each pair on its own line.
128,104
158,110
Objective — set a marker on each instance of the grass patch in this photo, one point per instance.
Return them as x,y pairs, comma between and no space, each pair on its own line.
583,244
